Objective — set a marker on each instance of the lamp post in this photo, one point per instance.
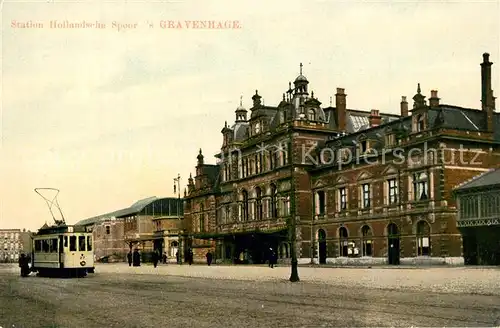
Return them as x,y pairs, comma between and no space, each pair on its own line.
294,275
177,185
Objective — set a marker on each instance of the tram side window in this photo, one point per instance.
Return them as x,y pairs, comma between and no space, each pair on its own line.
38,245
72,243
53,245
45,245
89,243
81,243
65,241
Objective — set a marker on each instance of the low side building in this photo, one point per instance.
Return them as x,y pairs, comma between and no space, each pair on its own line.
118,232
478,219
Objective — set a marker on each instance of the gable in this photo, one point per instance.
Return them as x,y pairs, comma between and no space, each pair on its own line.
341,180
319,184
364,176
389,170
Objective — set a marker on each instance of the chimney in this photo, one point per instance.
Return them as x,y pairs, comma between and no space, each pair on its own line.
434,100
375,118
487,99
341,109
404,107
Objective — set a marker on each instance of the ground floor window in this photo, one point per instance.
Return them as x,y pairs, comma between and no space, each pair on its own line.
423,239
367,245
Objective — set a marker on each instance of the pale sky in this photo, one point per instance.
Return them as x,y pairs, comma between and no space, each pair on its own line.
112,117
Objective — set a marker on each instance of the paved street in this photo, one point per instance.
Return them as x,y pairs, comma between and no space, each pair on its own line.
252,296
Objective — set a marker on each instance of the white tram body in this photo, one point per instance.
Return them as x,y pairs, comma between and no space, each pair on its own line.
63,249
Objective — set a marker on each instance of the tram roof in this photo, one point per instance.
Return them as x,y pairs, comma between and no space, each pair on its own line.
54,229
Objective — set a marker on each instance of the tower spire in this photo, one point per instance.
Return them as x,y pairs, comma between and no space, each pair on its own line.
241,100
300,68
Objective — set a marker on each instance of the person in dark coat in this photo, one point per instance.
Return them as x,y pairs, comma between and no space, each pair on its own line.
272,258
209,258
190,256
178,257
155,258
136,258
129,258
164,258
23,264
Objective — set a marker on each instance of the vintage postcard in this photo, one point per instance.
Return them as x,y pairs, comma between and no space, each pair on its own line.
295,163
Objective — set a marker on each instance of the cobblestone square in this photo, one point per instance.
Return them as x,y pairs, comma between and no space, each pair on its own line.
252,296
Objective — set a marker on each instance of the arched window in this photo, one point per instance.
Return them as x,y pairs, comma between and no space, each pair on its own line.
423,239
245,205
344,242
258,204
274,202
367,241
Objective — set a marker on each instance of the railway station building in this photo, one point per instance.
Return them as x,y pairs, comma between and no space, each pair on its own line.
358,186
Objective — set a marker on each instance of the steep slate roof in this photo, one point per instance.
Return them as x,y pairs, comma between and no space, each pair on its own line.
490,178
134,209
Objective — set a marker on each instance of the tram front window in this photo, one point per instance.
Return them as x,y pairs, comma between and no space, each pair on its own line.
89,243
72,243
81,243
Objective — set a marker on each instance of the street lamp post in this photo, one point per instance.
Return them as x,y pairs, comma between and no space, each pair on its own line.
294,276
177,185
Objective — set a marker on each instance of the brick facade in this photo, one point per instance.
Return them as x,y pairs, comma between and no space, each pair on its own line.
363,186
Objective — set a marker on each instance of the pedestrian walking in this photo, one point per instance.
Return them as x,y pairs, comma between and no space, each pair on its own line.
23,264
178,257
155,258
165,258
190,256
272,256
129,258
209,258
136,258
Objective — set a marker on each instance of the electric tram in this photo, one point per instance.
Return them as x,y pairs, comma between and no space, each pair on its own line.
60,249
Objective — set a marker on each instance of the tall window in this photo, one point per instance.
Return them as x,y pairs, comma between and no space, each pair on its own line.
423,239
202,218
286,206
390,140
344,242
108,230
227,213
367,241
420,123
420,186
343,199
365,195
258,204
311,115
245,205
320,202
364,146
393,191
274,201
